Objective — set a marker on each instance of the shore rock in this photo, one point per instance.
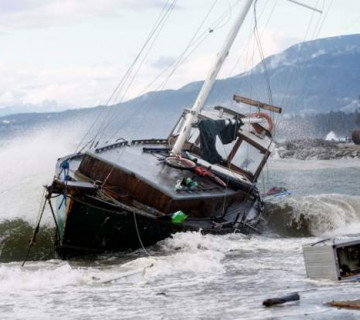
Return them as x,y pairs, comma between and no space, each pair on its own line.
317,149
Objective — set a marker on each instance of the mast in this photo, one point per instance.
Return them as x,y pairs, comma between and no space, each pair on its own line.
210,80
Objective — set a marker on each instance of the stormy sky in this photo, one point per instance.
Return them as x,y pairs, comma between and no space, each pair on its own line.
72,53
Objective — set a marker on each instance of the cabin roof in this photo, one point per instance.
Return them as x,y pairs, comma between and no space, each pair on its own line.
151,169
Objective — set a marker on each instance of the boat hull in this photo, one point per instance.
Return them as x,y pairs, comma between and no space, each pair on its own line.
93,226
136,204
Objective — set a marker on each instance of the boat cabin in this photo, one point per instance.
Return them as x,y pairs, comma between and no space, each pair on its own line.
244,157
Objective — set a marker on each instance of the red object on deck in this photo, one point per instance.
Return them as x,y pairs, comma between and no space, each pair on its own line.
355,136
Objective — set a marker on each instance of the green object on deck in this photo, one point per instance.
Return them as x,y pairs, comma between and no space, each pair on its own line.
186,184
178,217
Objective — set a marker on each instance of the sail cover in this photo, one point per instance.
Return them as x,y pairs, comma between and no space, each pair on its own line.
209,129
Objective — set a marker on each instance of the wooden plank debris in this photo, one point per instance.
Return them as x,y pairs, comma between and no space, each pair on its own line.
355,304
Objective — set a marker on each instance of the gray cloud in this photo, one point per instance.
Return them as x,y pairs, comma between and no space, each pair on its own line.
10,6
22,14
162,62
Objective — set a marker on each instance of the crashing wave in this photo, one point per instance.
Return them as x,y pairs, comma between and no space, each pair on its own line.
330,214
14,241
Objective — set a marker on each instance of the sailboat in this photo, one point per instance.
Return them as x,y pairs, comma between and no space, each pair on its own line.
132,194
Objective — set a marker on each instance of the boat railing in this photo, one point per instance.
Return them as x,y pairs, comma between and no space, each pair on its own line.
112,146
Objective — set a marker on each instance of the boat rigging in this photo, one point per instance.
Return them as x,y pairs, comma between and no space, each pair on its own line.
133,193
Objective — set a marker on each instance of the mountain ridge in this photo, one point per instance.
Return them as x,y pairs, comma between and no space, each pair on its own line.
316,76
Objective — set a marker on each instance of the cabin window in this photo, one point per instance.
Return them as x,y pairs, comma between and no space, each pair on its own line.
248,158
224,149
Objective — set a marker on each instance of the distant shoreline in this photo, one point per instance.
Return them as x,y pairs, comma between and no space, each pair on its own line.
317,149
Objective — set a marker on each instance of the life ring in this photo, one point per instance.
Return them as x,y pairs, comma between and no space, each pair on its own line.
257,127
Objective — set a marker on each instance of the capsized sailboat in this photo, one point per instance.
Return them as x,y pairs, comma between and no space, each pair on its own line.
131,194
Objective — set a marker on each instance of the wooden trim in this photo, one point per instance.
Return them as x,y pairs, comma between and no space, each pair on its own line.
253,143
234,150
256,103
261,166
243,172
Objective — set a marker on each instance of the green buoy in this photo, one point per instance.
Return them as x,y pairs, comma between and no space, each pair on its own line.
178,217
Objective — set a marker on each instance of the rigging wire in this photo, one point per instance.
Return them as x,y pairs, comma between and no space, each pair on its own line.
257,37
193,44
303,91
143,106
196,42
262,56
200,39
123,80
113,118
246,49
228,14
165,10
144,58
295,75
317,33
249,39
154,35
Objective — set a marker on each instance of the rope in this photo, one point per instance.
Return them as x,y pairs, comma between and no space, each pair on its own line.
107,194
139,237
135,222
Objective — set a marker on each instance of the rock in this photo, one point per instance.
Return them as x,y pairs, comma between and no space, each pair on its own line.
312,149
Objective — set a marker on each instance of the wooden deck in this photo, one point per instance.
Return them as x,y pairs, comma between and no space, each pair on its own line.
146,178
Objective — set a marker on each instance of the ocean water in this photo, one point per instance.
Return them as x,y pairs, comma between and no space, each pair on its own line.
188,276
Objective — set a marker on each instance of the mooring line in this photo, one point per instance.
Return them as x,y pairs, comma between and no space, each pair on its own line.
139,237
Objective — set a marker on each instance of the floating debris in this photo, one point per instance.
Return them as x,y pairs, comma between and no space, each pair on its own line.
333,259
127,276
355,304
273,301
